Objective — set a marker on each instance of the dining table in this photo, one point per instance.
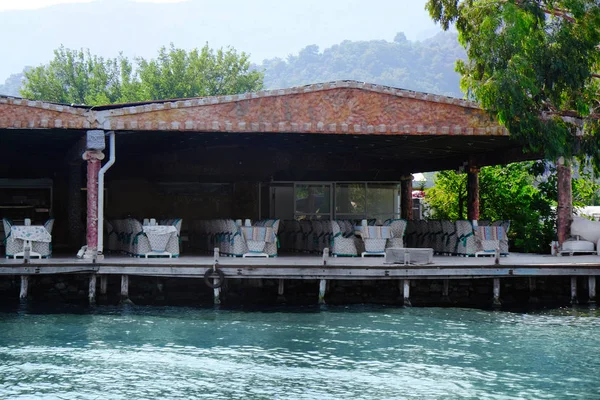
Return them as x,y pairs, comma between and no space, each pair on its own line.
29,234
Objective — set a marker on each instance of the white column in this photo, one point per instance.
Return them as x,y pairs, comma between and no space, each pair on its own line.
496,302
24,287
406,292
92,289
573,290
322,288
592,289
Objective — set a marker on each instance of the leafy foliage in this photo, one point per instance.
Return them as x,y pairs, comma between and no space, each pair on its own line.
179,74
426,66
524,193
533,64
78,77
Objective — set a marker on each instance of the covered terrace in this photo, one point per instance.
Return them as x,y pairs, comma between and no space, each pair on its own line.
238,156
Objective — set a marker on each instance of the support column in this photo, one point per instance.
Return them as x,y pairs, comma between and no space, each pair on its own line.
446,290
592,289
280,288
574,290
124,288
24,287
103,284
406,292
406,208
496,302
532,290
92,289
93,158
473,193
322,288
564,211
74,205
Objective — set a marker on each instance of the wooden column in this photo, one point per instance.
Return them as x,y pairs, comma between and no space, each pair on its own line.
564,211
93,158
473,193
406,208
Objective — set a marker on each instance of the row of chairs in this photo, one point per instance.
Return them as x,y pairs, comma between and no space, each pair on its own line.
127,236
13,245
227,235
458,237
312,236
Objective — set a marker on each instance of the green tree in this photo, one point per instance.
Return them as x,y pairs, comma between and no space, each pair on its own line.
524,193
509,192
533,64
78,77
176,73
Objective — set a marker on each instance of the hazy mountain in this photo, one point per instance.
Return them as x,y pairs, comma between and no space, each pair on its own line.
263,28
426,66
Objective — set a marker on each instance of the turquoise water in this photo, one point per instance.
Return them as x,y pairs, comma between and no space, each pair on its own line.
328,353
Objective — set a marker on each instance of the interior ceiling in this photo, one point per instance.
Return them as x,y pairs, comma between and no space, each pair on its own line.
387,148
395,153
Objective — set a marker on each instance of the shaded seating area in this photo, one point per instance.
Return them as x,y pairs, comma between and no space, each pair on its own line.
460,237
33,239
132,237
235,239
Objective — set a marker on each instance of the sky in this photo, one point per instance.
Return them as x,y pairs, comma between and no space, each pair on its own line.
263,28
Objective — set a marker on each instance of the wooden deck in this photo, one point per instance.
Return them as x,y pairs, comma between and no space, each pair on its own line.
314,267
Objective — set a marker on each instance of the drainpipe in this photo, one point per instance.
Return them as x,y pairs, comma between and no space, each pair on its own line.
105,167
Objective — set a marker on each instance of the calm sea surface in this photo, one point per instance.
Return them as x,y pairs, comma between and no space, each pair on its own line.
314,353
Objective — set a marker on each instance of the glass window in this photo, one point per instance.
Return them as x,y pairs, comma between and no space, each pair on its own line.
350,198
382,200
313,199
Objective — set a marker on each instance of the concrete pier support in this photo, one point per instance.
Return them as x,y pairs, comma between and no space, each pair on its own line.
532,289
322,290
592,289
124,288
103,284
24,287
496,302
92,289
446,290
406,292
574,290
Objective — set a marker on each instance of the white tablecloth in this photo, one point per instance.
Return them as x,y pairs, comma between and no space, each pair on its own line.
34,233
159,235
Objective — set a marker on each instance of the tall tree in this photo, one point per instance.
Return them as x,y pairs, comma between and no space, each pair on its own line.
176,73
534,65
78,77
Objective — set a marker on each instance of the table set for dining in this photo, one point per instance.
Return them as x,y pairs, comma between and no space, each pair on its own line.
28,240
